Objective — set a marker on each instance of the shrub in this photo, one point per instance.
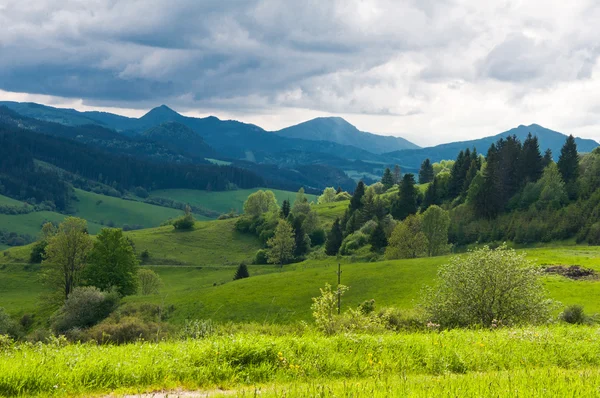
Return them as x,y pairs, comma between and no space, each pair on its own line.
85,307
353,242
145,255
324,309
574,314
7,325
486,287
38,252
318,237
149,282
126,330
367,307
261,257
184,223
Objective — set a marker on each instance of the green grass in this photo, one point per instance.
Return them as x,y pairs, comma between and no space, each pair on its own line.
210,243
31,224
328,212
542,361
101,209
5,200
221,202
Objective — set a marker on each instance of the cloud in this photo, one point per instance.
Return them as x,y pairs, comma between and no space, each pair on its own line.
432,71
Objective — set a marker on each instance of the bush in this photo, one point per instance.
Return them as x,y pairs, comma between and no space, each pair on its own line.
261,257
574,314
85,307
149,282
38,252
353,242
184,223
487,287
7,325
318,237
126,330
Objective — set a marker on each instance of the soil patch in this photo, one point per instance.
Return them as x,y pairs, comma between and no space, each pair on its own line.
575,272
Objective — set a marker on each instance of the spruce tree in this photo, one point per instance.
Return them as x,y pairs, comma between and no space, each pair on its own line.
241,272
388,179
397,174
456,176
406,202
548,158
378,240
426,172
356,201
473,170
431,195
487,201
285,208
532,163
334,239
568,162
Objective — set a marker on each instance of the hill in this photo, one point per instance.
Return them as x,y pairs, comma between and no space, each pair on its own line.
179,137
336,129
548,139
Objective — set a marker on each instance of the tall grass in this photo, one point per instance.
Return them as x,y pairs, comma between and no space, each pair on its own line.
308,361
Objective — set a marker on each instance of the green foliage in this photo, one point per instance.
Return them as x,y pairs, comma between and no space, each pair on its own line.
8,326
328,196
356,200
353,242
487,288
285,208
317,237
342,197
406,202
574,314
568,162
149,282
66,255
407,240
241,272
378,238
388,179
532,162
112,263
38,251
185,222
261,257
334,239
85,307
435,224
324,308
260,202
426,172
282,244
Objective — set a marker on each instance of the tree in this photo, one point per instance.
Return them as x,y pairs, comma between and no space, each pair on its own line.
436,222
407,240
548,157
259,203
406,202
334,239
485,196
532,163
281,246
112,263
552,189
66,254
356,201
241,272
568,165
301,238
38,252
285,208
328,196
85,307
426,172
185,222
431,195
388,179
149,282
486,288
397,174
378,240
301,204
471,173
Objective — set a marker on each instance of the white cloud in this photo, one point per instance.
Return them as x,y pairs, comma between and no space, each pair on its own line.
431,71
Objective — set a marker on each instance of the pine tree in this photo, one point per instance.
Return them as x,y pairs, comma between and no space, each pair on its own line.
388,179
241,272
431,195
426,172
378,240
301,239
487,200
568,162
406,202
473,170
339,190
397,174
285,208
356,201
334,239
532,163
456,177
548,158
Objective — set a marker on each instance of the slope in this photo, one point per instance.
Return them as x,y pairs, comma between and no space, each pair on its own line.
336,129
176,136
548,139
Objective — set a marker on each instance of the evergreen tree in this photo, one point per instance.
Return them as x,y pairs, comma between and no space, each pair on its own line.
486,199
426,172
532,163
241,272
301,238
378,240
548,157
568,162
456,176
473,170
397,174
509,170
406,202
285,208
388,179
431,195
334,239
339,190
356,201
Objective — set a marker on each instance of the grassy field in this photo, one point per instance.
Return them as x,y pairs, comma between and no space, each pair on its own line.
5,200
542,361
31,224
221,202
205,288
328,212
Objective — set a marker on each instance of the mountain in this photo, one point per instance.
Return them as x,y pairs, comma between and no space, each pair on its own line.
338,130
547,139
67,117
179,137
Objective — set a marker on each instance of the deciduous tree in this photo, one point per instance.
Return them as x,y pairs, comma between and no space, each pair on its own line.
281,246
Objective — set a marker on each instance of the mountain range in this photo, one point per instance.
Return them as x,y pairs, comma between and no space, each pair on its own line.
329,142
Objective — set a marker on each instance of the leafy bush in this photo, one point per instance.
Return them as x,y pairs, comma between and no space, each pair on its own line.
486,287
126,330
342,196
38,252
261,257
85,307
574,314
353,242
184,223
318,237
149,282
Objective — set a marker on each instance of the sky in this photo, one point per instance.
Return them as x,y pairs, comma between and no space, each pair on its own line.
431,71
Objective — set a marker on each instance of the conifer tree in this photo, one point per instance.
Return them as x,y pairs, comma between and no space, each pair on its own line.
378,240
285,208
388,179
548,158
334,239
431,195
568,162
486,200
532,163
406,202
241,272
456,176
473,170
356,201
397,174
426,172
